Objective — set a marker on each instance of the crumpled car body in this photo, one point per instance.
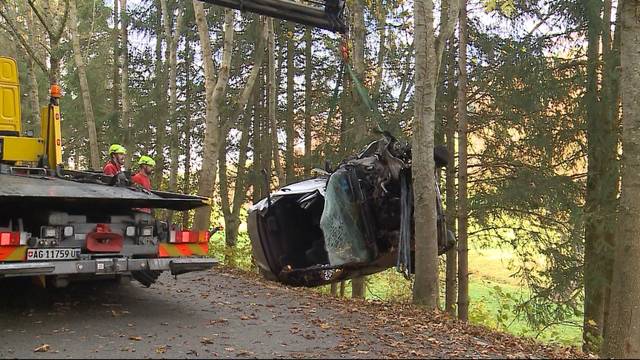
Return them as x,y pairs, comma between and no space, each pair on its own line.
354,221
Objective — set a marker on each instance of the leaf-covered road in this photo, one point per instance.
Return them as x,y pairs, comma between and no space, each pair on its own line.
224,313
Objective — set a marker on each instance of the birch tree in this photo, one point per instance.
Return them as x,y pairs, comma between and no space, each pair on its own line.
429,49
215,91
231,207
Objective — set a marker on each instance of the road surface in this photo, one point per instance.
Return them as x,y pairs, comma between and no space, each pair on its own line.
226,313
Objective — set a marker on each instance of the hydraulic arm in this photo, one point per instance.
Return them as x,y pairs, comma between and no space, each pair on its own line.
323,14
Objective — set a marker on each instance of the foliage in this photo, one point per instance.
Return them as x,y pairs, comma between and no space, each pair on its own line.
527,117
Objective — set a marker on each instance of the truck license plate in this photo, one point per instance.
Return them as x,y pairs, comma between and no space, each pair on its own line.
52,254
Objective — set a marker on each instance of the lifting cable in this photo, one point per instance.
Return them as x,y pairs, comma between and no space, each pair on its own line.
371,105
403,262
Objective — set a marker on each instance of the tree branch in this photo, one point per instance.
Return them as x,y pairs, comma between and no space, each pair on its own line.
40,17
23,41
63,24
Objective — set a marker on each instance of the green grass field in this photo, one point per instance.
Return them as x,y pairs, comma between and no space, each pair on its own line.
492,292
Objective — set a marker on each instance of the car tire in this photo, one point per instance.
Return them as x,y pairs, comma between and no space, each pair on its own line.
267,274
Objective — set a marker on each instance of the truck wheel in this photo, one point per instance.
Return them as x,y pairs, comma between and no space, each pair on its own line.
146,277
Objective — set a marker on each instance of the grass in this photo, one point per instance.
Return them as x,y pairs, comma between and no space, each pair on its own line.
493,291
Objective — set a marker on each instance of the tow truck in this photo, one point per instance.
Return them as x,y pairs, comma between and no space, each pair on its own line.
60,225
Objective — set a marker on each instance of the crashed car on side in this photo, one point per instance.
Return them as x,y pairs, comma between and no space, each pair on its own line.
354,221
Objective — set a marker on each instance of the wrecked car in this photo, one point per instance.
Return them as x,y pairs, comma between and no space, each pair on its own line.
354,221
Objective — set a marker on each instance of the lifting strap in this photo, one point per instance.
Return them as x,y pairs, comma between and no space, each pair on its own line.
360,88
336,92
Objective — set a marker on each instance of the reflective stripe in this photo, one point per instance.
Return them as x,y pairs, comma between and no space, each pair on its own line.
13,253
180,250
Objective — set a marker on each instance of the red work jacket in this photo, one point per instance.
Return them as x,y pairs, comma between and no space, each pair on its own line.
111,168
143,181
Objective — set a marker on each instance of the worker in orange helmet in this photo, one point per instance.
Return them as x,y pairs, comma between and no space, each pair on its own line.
117,154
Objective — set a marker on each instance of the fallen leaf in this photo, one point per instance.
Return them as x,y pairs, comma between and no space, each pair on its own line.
42,348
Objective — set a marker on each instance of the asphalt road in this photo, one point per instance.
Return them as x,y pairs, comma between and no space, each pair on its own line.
227,313
210,314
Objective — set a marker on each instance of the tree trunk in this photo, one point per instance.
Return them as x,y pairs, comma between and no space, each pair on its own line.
258,134
611,105
172,57
450,190
594,226
308,88
186,186
54,63
360,128
172,49
116,63
232,216
84,88
271,107
231,208
358,287
124,85
290,127
334,289
382,51
160,94
34,96
601,103
622,336
463,248
215,92
428,56
232,211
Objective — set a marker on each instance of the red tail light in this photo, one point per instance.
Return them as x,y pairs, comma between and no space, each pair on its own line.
13,238
188,237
